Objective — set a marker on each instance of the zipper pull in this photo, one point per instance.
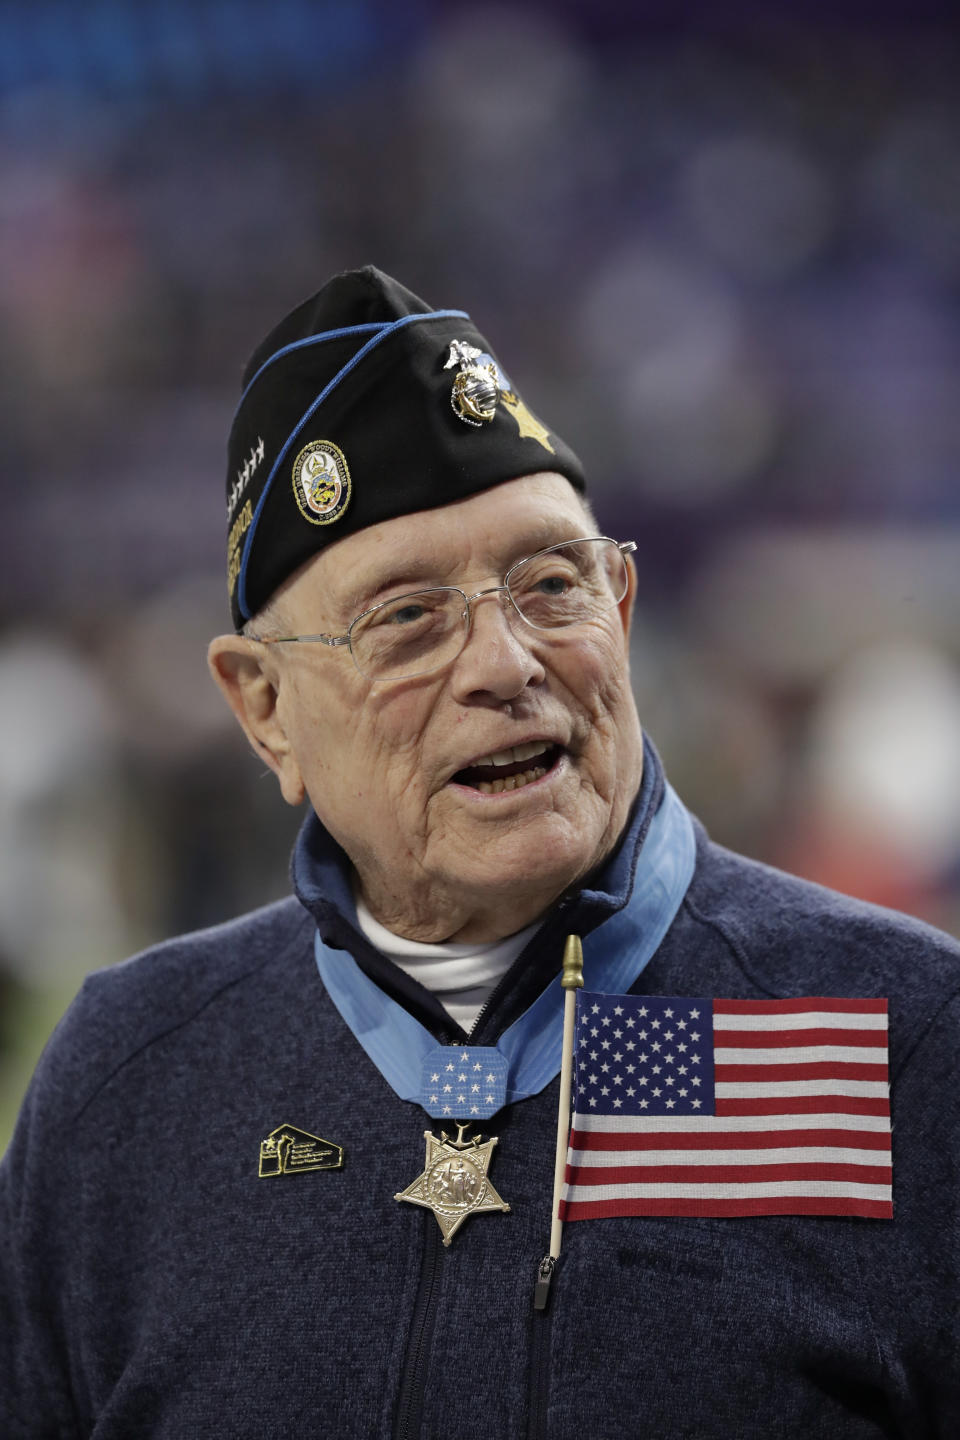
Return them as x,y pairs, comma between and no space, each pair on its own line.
541,1291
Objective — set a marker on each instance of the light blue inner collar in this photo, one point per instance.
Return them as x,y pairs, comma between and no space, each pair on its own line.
527,1055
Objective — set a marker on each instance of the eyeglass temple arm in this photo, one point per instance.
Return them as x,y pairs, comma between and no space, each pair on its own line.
300,639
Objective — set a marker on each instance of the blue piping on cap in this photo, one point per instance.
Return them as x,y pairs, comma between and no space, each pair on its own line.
299,344
383,333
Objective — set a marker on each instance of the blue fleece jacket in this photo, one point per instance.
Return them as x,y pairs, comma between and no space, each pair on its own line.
153,1285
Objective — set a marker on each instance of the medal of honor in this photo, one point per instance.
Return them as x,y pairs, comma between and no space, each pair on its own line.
469,1085
454,1183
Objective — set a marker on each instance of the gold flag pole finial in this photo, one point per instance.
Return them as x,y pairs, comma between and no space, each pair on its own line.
572,974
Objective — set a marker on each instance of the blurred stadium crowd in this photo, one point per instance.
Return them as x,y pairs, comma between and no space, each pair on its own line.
722,257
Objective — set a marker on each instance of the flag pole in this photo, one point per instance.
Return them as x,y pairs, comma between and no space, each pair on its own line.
571,979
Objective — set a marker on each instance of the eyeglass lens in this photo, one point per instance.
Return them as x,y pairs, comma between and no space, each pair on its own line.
569,584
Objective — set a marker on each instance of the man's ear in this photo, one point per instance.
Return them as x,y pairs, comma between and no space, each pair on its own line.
251,683
626,604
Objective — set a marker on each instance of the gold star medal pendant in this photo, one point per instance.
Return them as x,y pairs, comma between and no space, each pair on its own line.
454,1182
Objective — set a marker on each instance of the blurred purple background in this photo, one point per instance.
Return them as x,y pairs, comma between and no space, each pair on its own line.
720,253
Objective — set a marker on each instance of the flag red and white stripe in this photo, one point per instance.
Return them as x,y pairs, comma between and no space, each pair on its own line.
794,1118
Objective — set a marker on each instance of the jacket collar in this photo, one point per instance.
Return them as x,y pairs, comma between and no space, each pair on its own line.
321,875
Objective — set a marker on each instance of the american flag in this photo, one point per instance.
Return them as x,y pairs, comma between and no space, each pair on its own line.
729,1107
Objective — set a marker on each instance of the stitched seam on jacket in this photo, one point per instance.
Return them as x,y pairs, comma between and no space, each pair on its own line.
863,1288
188,1020
733,944
922,1035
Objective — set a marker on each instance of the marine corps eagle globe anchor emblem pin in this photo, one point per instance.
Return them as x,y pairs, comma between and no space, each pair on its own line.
454,1182
476,385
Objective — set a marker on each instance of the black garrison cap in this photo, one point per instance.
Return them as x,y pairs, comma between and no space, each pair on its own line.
364,404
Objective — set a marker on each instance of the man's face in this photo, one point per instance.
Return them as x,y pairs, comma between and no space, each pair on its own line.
387,765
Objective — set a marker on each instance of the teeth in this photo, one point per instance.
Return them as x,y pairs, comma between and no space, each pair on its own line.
517,752
527,752
511,782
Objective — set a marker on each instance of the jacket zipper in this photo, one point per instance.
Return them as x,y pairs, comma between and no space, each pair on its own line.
414,1380
505,983
539,1386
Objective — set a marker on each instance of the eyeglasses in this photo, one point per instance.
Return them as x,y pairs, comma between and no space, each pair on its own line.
569,584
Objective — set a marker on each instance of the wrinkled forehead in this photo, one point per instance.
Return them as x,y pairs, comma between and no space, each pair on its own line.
468,540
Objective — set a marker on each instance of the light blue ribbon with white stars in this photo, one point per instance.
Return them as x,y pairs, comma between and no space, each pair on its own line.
484,1078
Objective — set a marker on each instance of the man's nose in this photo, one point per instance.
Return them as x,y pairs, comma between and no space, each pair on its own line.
498,657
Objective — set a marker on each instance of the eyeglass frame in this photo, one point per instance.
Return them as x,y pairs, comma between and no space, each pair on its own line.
625,547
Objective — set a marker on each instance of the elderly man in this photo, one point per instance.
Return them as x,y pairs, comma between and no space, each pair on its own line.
294,1175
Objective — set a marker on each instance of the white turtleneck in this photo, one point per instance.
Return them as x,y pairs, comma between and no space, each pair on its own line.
462,976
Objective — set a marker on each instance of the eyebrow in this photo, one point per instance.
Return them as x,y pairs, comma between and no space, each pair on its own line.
413,572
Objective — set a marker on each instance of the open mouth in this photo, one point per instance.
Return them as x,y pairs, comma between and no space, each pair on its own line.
510,769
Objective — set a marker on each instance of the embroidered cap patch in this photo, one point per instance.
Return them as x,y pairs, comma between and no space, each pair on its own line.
321,482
